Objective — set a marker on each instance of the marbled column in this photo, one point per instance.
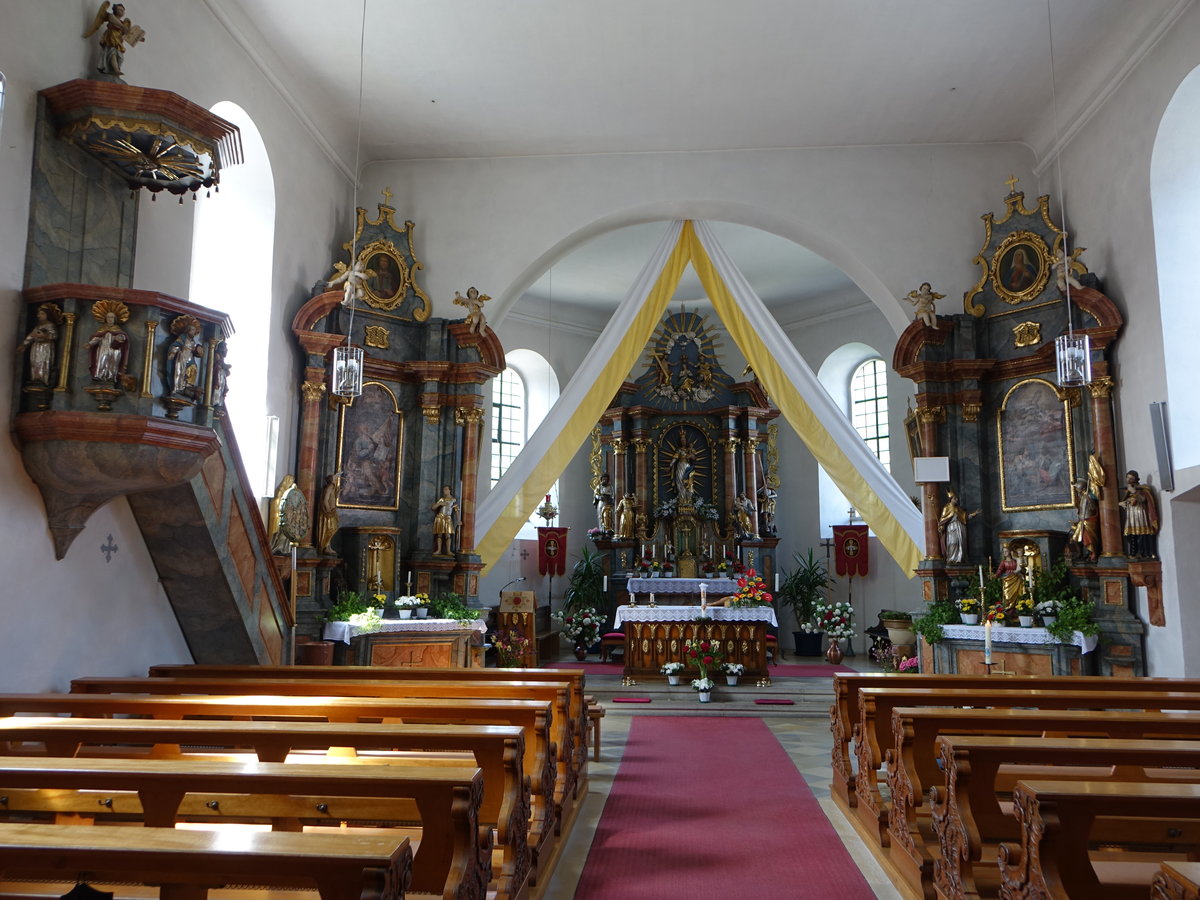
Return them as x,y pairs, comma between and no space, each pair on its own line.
928,418
620,478
750,464
310,430
471,420
1104,442
641,475
730,447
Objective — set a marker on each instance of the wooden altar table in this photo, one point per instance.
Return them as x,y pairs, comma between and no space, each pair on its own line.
405,642
656,635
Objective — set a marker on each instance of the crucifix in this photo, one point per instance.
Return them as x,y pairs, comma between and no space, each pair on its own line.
1012,183
387,197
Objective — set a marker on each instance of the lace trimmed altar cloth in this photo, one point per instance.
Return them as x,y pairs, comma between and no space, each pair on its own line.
688,613
344,631
1007,635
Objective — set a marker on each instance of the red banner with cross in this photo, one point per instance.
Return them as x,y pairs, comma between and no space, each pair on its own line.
850,549
552,549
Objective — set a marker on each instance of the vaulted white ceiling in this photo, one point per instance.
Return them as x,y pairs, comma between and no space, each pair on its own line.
484,78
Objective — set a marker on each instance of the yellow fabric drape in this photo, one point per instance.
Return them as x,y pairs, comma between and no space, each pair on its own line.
781,389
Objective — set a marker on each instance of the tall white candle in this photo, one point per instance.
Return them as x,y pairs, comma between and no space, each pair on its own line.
987,642
606,584
652,598
410,576
981,584
653,552
777,582
703,593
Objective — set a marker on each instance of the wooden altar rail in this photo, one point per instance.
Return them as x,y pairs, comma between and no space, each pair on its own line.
580,710
913,765
452,861
531,715
970,821
875,729
562,728
844,713
497,750
187,863
1056,820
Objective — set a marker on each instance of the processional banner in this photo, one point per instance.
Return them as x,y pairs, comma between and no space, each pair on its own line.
850,549
552,549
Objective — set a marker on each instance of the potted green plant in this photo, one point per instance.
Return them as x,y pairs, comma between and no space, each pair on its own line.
801,590
348,604
585,585
937,614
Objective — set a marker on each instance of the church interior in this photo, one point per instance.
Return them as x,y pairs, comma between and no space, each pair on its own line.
645,312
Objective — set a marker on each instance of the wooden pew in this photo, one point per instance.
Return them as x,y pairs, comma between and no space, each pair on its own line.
875,707
579,707
562,728
497,750
186,863
913,764
1056,819
452,861
534,716
844,713
1176,881
967,814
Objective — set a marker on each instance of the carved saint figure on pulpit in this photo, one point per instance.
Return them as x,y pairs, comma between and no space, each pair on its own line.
444,510
627,517
41,342
602,499
952,524
109,345
1141,518
183,354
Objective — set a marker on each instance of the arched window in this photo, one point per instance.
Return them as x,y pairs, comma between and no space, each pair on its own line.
232,253
508,420
869,408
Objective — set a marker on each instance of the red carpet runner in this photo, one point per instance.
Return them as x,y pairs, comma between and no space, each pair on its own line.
783,670
714,807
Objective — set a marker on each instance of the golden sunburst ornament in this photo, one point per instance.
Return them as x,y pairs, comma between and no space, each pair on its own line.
163,160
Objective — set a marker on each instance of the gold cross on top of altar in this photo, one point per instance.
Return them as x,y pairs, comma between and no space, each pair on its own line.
1012,183
387,197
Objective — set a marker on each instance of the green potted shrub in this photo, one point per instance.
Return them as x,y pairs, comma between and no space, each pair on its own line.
801,590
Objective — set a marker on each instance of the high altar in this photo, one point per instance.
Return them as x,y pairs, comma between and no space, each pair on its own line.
684,465
1035,472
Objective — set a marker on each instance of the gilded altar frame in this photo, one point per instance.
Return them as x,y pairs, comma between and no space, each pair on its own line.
369,449
1035,451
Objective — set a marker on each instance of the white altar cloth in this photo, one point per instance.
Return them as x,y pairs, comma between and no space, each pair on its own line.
688,613
344,631
717,587
1002,634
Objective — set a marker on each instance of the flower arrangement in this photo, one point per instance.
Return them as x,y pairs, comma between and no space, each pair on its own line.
708,567
655,565
723,567
835,618
668,567
1024,605
751,591
370,620
968,605
1048,608
908,664
702,684
996,613
407,601
703,654
643,565
671,668
580,626
730,668
511,647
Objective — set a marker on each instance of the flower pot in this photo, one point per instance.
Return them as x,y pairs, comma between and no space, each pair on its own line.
970,618
899,631
731,680
580,652
654,574
422,612
704,696
672,679
1026,621
404,613
807,644
1047,621
833,653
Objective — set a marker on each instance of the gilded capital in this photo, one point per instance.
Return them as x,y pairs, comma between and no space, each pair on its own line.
1101,387
312,391
432,414
971,411
930,415
731,444
641,445
618,445
468,415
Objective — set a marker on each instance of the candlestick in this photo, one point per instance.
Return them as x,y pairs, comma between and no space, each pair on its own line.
987,642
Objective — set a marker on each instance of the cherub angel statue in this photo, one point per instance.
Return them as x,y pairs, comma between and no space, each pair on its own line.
1062,268
351,278
474,305
924,299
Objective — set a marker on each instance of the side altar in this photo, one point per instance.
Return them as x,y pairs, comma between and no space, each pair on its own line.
655,635
684,466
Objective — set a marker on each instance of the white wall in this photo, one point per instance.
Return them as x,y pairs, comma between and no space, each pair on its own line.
83,615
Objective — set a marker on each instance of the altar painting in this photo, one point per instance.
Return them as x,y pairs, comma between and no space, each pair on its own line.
369,441
1036,459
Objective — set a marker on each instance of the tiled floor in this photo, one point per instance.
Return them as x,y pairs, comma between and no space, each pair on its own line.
803,730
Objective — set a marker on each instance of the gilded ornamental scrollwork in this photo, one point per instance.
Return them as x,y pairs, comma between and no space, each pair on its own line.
1027,334
971,411
312,391
432,414
376,336
1101,387
467,415
930,415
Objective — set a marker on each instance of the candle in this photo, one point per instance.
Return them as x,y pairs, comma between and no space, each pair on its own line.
710,551
652,598
987,642
703,593
606,584
653,552
410,577
777,582
981,584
